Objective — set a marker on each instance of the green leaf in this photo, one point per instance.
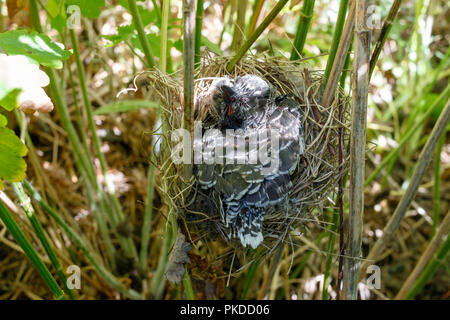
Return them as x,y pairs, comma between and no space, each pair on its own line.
55,8
154,41
8,97
211,46
12,149
178,45
57,14
125,105
34,45
89,8
3,120
58,23
123,32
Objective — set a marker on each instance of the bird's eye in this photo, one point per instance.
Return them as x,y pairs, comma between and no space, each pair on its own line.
233,99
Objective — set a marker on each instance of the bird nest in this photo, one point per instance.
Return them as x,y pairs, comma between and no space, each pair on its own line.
326,132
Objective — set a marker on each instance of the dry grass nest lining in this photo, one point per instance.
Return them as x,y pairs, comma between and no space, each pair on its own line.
319,168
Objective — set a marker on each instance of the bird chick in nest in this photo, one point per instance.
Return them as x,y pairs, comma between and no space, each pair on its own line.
250,153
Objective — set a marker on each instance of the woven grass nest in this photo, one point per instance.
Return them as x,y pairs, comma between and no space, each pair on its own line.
316,175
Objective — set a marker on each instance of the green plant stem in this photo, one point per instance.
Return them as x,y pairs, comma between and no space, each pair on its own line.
336,39
255,35
257,8
188,285
442,97
157,284
239,25
331,242
141,33
387,26
157,10
79,117
164,40
198,30
302,28
225,17
148,214
27,207
30,252
250,275
436,191
345,68
340,57
89,252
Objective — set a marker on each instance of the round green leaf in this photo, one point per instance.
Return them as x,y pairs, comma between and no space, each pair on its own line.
3,120
12,149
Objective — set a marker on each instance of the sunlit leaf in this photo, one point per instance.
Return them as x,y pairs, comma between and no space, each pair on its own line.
3,120
34,45
8,96
12,149
123,32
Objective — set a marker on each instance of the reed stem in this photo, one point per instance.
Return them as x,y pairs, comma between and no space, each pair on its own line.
302,28
387,26
141,33
30,252
267,20
357,152
198,31
27,207
336,39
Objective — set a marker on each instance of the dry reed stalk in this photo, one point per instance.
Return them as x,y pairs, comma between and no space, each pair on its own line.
188,59
341,54
357,152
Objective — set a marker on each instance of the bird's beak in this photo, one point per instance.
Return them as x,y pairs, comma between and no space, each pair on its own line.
228,92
